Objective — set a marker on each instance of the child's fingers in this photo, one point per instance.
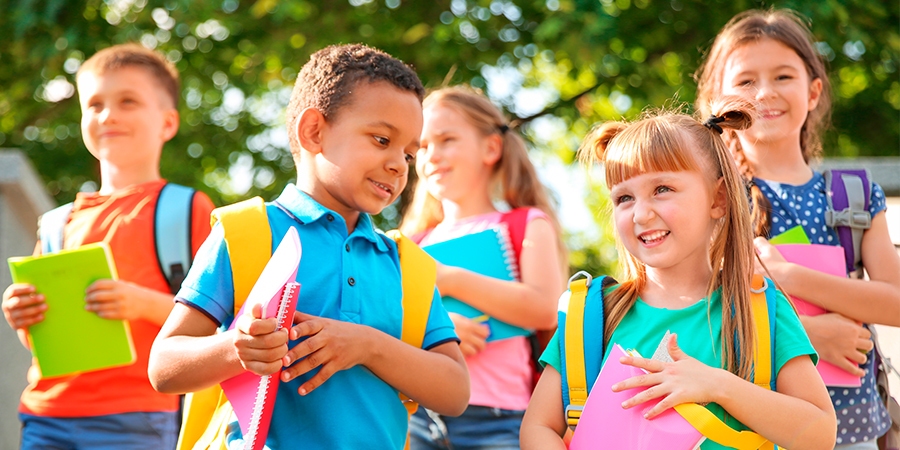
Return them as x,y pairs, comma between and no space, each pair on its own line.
25,317
305,349
247,324
321,377
650,365
308,326
100,285
674,350
643,380
851,366
654,390
659,408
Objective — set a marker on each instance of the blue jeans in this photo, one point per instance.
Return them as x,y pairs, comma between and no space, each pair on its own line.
867,445
130,431
479,427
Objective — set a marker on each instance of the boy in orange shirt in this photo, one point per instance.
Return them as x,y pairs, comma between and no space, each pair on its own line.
129,98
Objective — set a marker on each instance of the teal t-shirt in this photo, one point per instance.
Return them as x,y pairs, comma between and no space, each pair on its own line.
699,336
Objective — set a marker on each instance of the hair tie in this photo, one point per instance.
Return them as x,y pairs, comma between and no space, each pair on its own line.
503,128
713,123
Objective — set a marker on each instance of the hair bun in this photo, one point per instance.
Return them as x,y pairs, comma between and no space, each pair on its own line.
597,141
733,112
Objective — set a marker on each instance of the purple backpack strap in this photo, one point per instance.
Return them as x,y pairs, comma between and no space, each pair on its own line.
848,210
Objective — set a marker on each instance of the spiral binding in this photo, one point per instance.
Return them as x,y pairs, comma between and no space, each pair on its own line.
509,254
265,382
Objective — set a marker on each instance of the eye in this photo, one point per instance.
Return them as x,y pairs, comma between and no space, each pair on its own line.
744,83
382,141
663,189
622,199
410,157
784,77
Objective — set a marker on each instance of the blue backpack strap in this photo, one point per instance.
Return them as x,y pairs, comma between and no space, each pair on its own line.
848,210
50,228
172,233
591,335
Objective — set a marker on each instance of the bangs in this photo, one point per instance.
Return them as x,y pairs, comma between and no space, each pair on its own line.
651,145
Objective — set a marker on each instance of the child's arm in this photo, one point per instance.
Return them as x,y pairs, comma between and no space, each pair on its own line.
798,416
438,378
189,356
23,307
117,299
544,425
876,300
839,340
529,304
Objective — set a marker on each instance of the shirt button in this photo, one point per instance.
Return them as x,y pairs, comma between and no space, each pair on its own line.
347,247
330,218
351,281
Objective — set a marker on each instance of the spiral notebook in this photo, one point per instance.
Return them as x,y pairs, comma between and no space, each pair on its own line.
62,278
252,396
605,424
488,253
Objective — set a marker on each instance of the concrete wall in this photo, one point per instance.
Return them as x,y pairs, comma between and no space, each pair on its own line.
22,199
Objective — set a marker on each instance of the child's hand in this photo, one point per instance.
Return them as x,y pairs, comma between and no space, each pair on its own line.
772,259
23,306
115,299
839,340
332,344
259,345
684,381
472,335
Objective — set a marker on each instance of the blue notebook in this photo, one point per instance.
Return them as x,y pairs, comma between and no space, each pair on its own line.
486,253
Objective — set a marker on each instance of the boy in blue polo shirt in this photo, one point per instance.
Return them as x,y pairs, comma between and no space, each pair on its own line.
354,122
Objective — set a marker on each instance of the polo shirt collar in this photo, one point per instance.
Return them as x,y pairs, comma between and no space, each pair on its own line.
307,210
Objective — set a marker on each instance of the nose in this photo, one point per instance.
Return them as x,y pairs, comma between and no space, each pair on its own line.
397,164
643,212
764,90
107,115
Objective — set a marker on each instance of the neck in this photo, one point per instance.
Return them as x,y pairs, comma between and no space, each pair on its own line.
114,178
780,161
469,206
676,288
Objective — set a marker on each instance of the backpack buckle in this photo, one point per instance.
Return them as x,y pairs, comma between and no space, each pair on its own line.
848,218
573,414
581,273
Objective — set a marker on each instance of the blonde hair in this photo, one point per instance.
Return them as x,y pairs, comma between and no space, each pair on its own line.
514,176
788,28
136,55
667,141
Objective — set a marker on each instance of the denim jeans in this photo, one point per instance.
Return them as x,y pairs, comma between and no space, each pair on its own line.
479,427
128,431
867,445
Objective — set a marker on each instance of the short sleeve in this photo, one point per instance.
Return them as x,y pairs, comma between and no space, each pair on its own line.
208,286
551,353
791,340
439,329
877,200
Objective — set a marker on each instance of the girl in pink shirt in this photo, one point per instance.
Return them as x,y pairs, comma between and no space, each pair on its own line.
469,162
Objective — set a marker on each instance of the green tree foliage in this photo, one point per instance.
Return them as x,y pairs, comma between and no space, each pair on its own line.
557,66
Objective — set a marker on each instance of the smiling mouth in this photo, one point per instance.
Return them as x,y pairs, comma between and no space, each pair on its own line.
654,237
771,114
384,187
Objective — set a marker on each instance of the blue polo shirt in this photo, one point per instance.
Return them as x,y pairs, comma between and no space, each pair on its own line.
353,278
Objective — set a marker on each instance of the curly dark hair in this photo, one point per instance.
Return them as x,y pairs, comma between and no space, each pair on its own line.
325,82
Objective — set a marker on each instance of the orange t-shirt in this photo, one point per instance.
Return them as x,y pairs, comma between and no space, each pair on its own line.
124,220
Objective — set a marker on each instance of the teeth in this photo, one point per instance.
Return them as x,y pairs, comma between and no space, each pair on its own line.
382,186
654,236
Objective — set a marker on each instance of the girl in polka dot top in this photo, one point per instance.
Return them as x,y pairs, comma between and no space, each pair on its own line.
767,57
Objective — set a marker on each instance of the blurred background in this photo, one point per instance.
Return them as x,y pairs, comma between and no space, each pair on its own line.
557,67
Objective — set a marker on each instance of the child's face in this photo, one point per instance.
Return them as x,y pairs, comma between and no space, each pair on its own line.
455,159
773,77
125,116
366,150
666,219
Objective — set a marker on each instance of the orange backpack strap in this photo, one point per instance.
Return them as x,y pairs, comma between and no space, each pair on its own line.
249,242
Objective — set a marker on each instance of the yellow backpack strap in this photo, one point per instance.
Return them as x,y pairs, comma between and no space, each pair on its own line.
574,344
249,242
418,272
710,425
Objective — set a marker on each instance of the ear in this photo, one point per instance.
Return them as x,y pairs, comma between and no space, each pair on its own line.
493,150
310,126
171,122
815,92
720,200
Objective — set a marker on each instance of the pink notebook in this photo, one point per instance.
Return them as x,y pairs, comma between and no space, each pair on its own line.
827,259
252,396
605,424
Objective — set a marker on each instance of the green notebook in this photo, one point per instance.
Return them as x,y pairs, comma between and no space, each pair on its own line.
71,340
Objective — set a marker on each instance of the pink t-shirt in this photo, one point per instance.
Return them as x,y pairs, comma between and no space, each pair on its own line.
501,374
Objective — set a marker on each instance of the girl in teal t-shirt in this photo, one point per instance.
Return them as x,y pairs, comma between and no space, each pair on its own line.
684,233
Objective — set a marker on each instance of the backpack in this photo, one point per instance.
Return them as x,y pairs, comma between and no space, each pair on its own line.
249,242
581,352
171,232
847,193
